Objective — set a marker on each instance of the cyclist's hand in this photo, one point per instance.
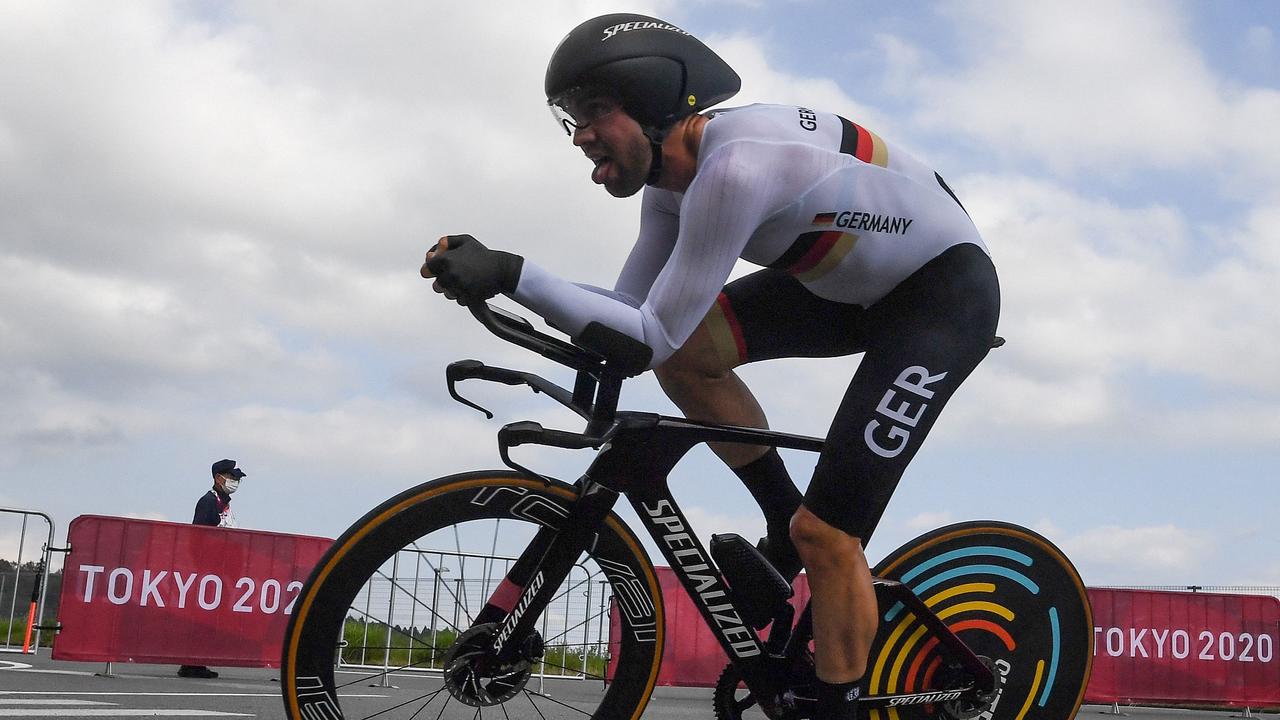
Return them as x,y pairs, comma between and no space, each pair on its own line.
467,271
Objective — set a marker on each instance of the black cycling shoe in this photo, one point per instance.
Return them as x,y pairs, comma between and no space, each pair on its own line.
781,555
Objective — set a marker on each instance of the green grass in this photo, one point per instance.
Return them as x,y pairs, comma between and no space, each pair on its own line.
426,649
15,630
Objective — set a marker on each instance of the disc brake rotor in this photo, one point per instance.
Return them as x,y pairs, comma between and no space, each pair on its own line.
474,675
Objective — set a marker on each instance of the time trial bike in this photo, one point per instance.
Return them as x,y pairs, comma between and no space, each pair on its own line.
977,620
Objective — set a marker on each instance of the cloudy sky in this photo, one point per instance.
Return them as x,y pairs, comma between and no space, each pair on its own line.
212,217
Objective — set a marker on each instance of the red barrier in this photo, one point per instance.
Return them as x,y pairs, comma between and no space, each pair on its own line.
157,592
1185,648
1149,647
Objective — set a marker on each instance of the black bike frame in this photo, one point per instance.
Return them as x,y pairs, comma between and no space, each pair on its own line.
637,452
636,462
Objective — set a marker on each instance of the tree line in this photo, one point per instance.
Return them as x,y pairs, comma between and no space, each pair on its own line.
17,583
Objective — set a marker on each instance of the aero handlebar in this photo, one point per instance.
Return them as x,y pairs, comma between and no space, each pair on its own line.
603,358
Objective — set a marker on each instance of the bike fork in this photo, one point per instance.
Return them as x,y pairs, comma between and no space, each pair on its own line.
534,578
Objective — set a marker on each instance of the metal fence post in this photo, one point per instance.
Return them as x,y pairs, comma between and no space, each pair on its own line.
391,621
17,580
41,582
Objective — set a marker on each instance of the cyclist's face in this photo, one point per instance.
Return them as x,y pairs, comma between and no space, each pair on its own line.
615,143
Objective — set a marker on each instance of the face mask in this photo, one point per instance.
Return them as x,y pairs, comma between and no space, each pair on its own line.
231,485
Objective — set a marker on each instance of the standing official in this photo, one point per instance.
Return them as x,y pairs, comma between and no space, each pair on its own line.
214,509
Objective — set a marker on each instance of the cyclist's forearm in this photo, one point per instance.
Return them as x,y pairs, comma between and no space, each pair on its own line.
570,308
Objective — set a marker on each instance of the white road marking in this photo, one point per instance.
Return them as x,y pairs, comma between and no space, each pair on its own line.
153,694
117,712
11,665
35,701
42,671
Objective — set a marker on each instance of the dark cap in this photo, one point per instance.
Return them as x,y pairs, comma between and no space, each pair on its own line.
227,467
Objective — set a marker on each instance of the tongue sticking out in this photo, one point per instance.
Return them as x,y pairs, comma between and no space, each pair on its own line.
602,168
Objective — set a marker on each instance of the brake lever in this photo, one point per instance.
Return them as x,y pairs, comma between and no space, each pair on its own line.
466,370
530,432
474,369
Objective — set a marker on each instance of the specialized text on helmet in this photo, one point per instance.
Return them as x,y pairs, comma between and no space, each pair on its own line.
639,25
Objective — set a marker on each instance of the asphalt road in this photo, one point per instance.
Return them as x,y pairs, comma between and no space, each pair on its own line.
38,687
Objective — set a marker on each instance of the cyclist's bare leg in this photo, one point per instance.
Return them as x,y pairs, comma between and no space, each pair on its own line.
702,383
704,387
843,600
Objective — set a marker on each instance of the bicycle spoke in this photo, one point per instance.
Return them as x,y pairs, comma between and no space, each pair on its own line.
534,705
582,671
535,693
486,571
568,590
572,673
462,570
397,586
381,673
424,707
390,648
444,707
430,695
568,630
458,602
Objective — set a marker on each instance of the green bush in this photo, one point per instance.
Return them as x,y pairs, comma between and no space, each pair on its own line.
379,645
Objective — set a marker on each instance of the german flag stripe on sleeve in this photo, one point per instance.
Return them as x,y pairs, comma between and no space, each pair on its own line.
863,144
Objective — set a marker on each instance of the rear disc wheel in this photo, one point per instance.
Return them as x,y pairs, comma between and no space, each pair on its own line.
1012,597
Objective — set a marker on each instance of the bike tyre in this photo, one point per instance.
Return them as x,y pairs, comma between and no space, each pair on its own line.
311,639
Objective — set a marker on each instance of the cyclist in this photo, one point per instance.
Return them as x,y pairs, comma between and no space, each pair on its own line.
864,250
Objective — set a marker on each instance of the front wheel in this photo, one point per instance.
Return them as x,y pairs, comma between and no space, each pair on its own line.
385,626
1008,594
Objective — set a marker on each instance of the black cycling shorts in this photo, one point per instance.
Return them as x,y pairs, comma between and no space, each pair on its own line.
920,342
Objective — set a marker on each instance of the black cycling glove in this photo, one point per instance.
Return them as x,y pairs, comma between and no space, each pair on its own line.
473,273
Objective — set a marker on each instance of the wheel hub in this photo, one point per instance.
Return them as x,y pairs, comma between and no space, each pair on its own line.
972,704
475,676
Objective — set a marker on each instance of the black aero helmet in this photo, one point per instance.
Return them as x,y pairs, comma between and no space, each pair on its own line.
659,72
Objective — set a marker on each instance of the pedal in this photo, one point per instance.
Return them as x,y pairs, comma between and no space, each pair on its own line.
760,591
782,556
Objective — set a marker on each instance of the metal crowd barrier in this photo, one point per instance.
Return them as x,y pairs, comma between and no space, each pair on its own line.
25,600
405,618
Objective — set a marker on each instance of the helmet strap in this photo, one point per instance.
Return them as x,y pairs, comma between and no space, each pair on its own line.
655,165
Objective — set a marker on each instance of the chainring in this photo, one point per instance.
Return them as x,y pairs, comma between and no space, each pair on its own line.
730,701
